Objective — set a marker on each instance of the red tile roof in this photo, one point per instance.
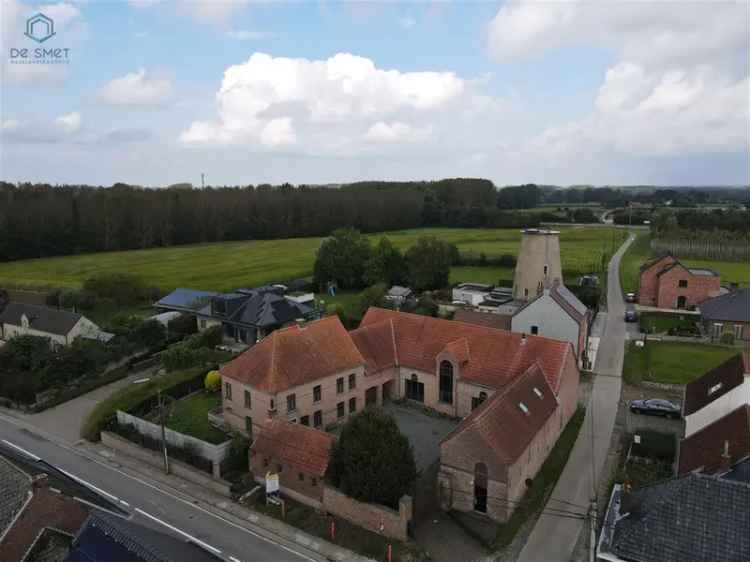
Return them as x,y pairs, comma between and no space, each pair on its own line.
704,449
510,419
493,357
304,448
296,355
727,376
488,319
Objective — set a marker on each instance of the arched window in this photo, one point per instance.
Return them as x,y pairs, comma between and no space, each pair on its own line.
480,487
446,382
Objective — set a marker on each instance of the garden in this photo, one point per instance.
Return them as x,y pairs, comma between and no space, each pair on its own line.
678,324
671,362
647,457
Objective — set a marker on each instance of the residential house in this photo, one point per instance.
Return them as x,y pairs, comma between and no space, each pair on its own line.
556,313
298,454
471,293
60,326
719,445
727,314
311,374
716,393
398,295
487,461
695,518
665,283
246,315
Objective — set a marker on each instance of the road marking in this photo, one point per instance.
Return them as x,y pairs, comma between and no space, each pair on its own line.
66,447
123,502
180,531
24,451
87,484
233,559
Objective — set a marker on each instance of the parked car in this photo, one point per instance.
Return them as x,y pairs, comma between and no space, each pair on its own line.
655,407
631,316
630,297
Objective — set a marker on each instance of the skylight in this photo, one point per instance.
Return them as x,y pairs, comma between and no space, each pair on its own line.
715,388
524,408
537,392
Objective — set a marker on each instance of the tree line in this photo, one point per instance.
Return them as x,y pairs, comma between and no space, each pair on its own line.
40,220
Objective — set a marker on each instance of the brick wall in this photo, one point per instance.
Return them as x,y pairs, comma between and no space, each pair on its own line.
291,478
370,516
456,489
700,288
648,283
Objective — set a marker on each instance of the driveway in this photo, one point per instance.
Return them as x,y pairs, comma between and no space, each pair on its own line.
553,537
65,421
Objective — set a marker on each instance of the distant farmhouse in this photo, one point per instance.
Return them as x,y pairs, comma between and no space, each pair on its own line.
60,326
665,283
515,393
245,315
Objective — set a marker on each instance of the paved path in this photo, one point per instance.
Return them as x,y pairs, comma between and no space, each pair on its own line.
554,538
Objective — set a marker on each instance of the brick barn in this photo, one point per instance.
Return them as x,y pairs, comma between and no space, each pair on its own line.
665,283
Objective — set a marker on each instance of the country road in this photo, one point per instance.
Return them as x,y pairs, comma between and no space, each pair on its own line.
553,537
155,506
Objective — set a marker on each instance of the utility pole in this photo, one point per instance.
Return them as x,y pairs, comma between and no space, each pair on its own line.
592,540
163,432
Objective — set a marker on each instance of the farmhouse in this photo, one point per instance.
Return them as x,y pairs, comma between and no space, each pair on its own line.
665,283
728,314
60,326
556,313
716,393
318,374
245,315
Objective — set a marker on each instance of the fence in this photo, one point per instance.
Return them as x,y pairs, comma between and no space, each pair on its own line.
703,249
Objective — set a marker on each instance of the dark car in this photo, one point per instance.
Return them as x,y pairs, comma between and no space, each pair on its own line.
655,407
631,316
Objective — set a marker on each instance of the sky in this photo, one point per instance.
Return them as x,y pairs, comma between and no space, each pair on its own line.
153,92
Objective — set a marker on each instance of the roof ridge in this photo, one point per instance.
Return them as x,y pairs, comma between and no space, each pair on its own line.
393,340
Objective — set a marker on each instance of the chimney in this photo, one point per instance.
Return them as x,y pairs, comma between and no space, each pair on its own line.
523,338
726,458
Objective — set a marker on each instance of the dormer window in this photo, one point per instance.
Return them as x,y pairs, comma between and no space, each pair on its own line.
524,408
537,392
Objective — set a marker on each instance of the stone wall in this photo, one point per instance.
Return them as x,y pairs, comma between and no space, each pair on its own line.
376,518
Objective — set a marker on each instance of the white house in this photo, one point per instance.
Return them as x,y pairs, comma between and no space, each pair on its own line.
471,293
398,295
717,393
558,314
60,326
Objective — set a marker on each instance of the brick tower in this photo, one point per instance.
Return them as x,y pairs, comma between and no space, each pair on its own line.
538,263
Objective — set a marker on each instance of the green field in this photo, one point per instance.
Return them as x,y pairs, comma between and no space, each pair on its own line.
731,271
228,265
671,362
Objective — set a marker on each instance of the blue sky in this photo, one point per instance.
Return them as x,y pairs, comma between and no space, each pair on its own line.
594,92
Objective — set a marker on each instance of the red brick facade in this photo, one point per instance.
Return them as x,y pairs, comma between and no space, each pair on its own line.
666,283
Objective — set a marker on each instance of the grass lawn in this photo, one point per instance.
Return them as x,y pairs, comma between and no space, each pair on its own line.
658,323
544,482
190,416
731,271
476,274
638,252
229,265
671,362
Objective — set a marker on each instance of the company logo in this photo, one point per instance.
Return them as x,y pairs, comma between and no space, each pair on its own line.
39,28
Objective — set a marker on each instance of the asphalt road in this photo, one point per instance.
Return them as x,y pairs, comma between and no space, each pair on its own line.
554,537
153,506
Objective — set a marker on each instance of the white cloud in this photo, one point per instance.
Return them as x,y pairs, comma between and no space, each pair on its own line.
137,88
69,123
679,84
343,103
249,35
406,22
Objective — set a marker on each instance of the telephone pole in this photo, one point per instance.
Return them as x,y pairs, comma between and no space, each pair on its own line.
162,421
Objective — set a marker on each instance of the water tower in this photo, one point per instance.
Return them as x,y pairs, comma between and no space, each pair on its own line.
538,262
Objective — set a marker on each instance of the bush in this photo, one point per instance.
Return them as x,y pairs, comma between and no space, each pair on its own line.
122,288
184,324
212,382
183,355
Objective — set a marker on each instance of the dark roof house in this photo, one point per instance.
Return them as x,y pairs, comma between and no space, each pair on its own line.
40,318
714,384
719,445
731,307
695,518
